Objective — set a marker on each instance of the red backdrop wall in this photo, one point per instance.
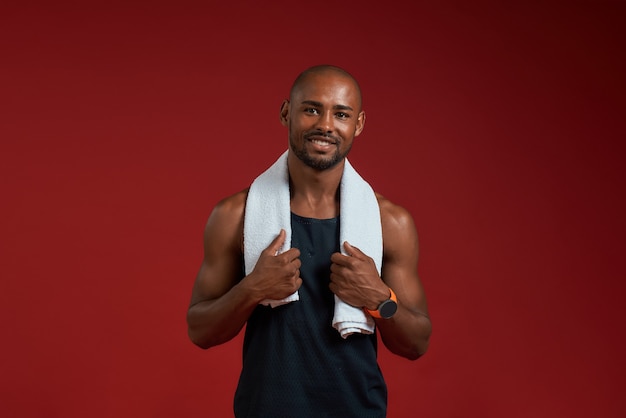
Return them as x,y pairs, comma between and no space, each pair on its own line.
500,126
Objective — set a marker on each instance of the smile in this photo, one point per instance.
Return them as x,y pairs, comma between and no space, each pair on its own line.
321,142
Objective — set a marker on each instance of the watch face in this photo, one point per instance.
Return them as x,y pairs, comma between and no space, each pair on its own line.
387,309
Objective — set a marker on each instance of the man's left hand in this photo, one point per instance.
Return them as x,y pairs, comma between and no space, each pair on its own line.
355,280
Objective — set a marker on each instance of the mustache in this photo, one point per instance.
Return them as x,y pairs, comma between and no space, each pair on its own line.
322,134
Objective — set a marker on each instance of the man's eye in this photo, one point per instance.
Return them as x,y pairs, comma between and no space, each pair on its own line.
342,115
311,110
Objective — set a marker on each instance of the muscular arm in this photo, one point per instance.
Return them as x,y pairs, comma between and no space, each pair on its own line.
356,281
407,333
220,304
222,300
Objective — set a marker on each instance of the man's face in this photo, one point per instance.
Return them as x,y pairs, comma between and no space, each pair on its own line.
323,117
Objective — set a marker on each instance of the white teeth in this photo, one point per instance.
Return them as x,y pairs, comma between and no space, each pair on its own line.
317,141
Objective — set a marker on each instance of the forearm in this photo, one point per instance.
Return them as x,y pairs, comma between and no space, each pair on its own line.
216,321
407,333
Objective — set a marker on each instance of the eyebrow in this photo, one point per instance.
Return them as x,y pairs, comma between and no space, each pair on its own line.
318,104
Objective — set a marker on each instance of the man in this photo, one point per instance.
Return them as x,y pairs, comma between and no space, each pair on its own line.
295,363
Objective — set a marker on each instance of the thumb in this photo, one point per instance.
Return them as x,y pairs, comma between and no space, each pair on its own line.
277,243
351,250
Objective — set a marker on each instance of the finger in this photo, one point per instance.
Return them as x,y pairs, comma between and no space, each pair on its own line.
291,255
277,243
352,250
298,283
340,259
333,287
296,274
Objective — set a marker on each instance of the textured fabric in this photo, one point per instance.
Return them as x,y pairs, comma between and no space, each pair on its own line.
268,210
294,363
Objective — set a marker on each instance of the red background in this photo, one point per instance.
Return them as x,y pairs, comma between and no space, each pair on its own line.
500,126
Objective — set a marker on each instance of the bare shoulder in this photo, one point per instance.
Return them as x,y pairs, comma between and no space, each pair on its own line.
394,217
232,205
223,237
398,227
225,224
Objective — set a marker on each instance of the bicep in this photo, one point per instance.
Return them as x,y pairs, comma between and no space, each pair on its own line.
400,258
221,266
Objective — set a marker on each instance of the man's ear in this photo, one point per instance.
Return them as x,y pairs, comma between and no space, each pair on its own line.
360,123
284,113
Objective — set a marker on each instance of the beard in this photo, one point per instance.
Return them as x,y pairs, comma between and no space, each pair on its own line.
318,162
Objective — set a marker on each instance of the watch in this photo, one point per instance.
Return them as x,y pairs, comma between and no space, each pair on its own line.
387,308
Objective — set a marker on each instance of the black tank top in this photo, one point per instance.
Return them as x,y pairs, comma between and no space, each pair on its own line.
295,364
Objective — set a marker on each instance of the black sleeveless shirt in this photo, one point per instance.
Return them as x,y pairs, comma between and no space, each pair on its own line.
295,364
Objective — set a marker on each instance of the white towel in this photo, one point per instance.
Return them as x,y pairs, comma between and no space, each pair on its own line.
268,211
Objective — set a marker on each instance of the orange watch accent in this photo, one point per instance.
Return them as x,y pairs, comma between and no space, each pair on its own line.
387,308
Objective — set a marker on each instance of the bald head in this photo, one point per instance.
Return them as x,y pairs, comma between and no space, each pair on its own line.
322,70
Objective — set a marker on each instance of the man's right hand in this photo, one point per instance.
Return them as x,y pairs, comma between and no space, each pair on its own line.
276,276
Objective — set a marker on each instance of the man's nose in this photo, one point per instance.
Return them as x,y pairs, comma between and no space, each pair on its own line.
325,122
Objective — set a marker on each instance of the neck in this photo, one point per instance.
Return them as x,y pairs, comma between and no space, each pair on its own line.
314,193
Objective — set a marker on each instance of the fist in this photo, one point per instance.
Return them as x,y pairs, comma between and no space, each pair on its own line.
277,276
354,278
